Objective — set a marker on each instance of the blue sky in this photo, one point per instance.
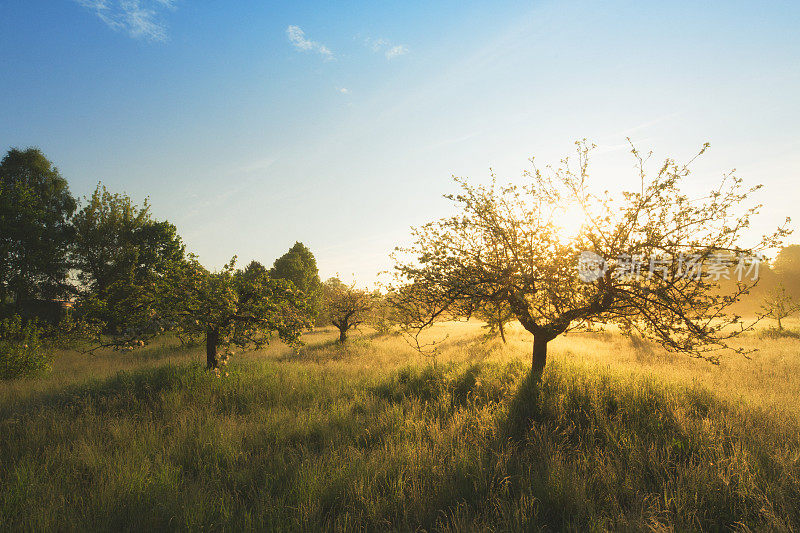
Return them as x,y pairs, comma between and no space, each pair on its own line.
254,124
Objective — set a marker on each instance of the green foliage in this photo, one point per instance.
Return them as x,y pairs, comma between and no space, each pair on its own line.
383,316
346,306
299,266
22,350
787,263
140,284
786,268
125,261
35,210
235,309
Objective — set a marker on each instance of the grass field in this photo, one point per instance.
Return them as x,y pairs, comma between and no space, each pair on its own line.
620,435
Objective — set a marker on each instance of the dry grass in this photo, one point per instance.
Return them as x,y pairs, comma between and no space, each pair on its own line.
620,436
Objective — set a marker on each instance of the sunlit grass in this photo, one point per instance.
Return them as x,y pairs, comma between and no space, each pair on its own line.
621,435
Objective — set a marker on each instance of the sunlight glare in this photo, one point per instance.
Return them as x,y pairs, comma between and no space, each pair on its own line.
569,219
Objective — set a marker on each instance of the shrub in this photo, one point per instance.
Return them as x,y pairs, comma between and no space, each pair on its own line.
22,352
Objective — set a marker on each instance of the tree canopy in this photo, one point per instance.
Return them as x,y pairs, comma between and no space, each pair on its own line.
119,252
237,309
505,247
299,266
35,232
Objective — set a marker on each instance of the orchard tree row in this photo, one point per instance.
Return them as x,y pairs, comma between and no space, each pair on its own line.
503,258
106,269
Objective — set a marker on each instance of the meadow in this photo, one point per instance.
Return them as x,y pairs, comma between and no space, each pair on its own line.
370,436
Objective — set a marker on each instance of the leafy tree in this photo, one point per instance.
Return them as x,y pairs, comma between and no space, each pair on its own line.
35,211
346,306
235,309
778,305
119,252
786,268
383,316
138,282
299,266
505,247
227,310
255,268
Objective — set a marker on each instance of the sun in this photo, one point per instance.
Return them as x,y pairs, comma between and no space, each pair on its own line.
569,219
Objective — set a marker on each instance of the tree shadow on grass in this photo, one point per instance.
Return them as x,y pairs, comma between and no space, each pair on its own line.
524,409
125,392
585,444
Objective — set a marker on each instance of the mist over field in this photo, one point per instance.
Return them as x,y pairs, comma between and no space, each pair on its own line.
399,267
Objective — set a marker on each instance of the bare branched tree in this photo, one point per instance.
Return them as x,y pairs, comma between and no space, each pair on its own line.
778,305
347,307
506,248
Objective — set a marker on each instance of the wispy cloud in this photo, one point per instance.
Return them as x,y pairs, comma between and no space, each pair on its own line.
298,39
396,51
140,19
389,50
376,44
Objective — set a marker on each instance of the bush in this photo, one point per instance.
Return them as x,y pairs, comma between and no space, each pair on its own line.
22,352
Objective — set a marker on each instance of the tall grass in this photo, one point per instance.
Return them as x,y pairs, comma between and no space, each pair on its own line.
365,437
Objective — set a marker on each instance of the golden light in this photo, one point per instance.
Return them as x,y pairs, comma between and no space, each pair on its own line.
569,219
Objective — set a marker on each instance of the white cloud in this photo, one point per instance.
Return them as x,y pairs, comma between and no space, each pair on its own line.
140,19
382,45
396,51
376,44
298,39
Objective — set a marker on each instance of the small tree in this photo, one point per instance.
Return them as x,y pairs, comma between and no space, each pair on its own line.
235,309
382,317
506,247
778,305
346,306
227,310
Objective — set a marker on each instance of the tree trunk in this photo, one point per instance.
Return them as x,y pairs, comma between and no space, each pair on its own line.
780,326
539,357
501,329
342,335
212,339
